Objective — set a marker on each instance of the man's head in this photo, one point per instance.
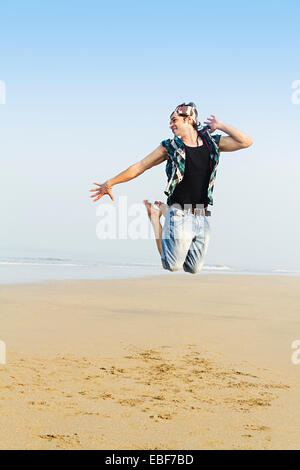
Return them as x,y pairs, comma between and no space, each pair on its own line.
183,116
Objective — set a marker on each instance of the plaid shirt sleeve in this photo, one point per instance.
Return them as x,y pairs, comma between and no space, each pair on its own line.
217,138
169,165
167,145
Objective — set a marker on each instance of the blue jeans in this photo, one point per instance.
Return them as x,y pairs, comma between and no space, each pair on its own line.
185,239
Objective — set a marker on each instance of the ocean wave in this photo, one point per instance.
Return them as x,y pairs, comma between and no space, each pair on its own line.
217,267
63,262
286,271
21,263
30,258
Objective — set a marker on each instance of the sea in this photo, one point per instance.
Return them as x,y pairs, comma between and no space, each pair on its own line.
21,270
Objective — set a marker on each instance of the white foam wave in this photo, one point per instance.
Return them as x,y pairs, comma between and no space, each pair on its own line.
217,267
20,263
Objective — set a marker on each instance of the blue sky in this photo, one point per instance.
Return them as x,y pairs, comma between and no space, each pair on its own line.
90,86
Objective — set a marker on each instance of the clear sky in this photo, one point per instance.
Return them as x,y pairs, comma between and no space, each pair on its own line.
90,86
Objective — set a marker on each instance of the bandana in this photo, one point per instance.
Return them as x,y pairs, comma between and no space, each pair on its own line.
188,111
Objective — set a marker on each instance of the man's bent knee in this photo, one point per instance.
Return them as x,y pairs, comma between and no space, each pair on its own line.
174,268
192,270
170,267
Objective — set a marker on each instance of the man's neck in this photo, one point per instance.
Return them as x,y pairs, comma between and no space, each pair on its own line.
190,138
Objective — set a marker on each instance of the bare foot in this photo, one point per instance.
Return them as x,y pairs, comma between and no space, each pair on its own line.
153,213
154,216
163,207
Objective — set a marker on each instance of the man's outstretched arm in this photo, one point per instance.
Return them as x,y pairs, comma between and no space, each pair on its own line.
154,158
235,140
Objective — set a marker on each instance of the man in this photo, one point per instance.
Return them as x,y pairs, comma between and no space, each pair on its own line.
192,159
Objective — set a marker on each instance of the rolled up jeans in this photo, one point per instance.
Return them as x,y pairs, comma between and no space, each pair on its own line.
185,239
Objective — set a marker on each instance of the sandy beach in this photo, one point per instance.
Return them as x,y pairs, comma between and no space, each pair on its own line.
191,362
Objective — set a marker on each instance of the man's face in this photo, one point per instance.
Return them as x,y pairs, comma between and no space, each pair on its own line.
178,124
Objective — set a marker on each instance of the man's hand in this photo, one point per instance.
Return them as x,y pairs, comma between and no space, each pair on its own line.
214,123
101,191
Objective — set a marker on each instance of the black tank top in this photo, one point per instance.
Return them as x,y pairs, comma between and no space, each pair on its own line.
192,190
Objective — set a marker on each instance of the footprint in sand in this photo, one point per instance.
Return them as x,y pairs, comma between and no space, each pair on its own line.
165,416
63,439
256,427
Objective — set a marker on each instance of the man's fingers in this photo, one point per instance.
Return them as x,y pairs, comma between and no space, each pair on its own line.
99,192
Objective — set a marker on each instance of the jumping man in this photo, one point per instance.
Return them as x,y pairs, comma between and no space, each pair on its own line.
192,158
